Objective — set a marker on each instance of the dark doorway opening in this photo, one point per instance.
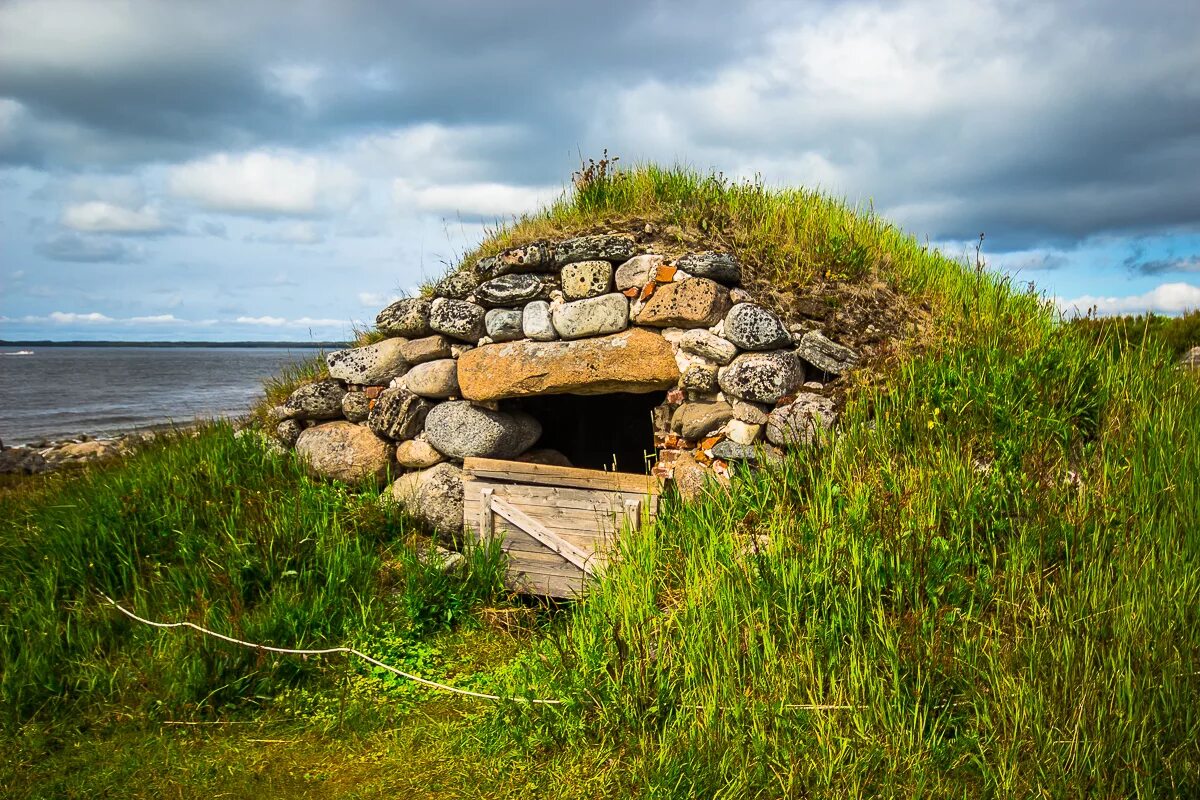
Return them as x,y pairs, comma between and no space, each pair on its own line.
596,431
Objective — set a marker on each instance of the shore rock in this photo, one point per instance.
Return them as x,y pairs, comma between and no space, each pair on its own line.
708,345
417,454
634,360
408,318
637,272
536,323
761,377
586,279
345,452
504,324
434,497
317,400
752,327
694,421
435,379
798,423
372,365
461,430
398,414
595,316
22,461
514,290
720,267
825,354
356,406
692,303
604,247
427,348
457,319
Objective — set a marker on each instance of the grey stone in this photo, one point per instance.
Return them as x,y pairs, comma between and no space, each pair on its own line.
372,365
604,247
434,379
22,461
1191,359
533,257
316,400
720,267
826,354
461,430
344,451
428,348
758,454
504,324
753,413
408,317
457,285
356,406
434,497
536,323
586,279
594,316
288,431
637,271
417,454
799,423
515,290
398,414
699,378
708,345
694,421
752,327
457,319
761,377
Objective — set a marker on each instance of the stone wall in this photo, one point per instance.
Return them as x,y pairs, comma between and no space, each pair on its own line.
592,315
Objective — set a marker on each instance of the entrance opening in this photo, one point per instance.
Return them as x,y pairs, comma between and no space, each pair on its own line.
600,430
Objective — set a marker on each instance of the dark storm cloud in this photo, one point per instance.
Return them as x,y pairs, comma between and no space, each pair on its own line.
1162,266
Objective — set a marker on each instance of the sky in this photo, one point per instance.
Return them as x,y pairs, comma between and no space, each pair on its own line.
281,171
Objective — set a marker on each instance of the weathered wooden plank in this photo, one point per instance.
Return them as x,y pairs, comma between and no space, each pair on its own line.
521,544
546,585
486,529
545,562
543,534
567,497
544,474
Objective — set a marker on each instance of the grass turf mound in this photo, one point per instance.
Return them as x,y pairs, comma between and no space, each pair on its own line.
987,583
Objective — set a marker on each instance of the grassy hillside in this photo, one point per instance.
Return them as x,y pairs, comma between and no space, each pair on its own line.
986,584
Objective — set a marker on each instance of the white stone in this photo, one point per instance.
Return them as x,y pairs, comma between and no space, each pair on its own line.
742,432
708,345
536,323
595,316
372,365
637,271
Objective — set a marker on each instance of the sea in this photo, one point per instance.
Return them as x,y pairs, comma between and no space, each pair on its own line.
60,392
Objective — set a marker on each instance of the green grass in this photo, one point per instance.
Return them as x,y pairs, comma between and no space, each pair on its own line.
992,572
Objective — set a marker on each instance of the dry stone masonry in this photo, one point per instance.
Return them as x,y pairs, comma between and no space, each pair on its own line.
476,370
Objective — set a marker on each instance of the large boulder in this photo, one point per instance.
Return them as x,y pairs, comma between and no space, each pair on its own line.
762,377
457,319
721,267
691,303
635,360
586,279
372,365
799,422
752,327
408,317
595,316
604,247
825,354
344,451
461,430
317,400
436,379
514,290
398,414
434,497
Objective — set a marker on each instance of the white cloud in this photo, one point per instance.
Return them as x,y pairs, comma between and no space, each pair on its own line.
273,322
156,319
263,182
281,322
71,318
473,199
97,216
1166,298
376,299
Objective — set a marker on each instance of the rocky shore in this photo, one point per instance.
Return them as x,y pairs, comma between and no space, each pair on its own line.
47,455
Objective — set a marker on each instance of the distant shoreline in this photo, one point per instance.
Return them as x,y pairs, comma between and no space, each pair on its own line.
108,343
